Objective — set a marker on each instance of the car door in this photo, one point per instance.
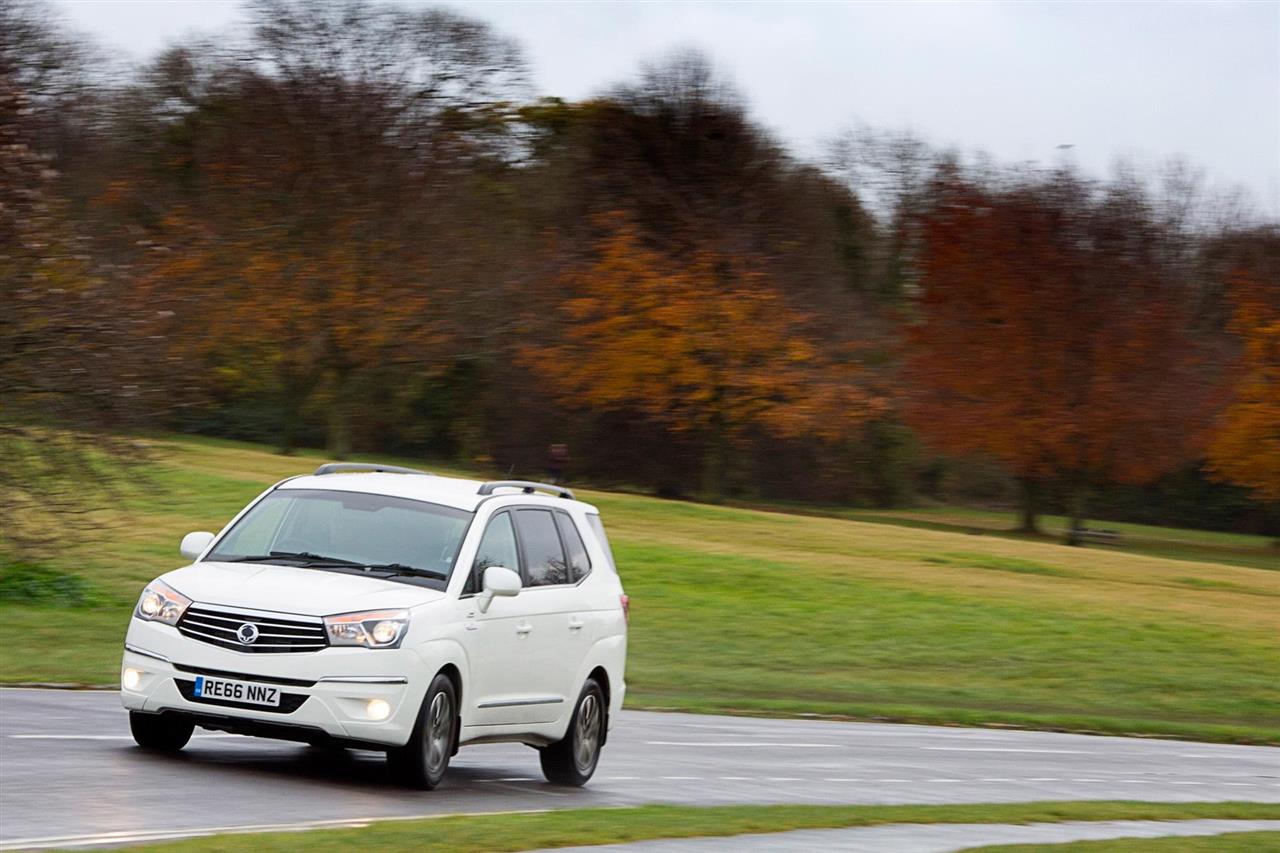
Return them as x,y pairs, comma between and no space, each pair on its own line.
559,637
504,687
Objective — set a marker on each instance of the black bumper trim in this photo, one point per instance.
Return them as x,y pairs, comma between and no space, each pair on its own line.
243,676
297,732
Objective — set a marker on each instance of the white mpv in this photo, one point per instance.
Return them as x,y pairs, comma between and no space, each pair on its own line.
383,608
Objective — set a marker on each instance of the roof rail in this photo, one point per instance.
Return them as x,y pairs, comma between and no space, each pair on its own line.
526,486
343,467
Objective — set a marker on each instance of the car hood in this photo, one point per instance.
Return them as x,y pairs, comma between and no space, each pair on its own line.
288,589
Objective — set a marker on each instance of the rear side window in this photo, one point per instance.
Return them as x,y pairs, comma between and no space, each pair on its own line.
544,560
597,527
497,548
579,562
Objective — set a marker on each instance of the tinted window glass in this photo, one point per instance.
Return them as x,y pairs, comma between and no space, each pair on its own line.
352,527
579,564
497,548
544,558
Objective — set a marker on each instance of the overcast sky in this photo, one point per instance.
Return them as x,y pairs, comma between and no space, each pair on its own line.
1144,81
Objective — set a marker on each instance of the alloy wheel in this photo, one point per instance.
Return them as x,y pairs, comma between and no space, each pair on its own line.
587,736
439,732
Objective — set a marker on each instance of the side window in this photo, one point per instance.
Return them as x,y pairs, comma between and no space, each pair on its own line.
497,548
597,527
579,563
544,557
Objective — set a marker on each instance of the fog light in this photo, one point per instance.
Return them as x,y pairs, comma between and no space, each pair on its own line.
378,709
132,678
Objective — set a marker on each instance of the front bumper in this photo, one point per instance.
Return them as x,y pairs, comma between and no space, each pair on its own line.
324,695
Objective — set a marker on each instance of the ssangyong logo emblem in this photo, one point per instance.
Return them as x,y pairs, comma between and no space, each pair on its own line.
247,633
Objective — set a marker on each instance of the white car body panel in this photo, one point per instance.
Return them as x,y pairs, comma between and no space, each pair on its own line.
515,685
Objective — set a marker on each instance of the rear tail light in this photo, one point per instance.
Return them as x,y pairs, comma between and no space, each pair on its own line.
626,607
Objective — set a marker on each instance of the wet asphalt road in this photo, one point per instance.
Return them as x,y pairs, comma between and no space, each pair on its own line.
70,774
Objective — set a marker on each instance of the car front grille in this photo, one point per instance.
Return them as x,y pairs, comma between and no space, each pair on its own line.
275,634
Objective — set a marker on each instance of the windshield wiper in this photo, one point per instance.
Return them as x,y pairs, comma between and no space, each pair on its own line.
301,556
402,569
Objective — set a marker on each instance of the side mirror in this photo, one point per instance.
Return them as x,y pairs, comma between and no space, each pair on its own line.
194,544
498,580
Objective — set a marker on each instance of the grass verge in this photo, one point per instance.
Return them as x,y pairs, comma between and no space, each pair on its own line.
528,831
1231,842
741,611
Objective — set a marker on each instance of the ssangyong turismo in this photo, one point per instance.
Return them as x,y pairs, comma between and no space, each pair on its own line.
390,609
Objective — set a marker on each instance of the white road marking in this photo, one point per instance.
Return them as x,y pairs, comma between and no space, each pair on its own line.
683,778
749,744
1003,749
106,737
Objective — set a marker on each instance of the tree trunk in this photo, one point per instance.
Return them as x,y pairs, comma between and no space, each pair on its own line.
1029,509
294,394
338,432
713,466
1075,515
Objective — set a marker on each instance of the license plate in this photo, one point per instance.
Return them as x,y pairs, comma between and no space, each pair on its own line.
236,691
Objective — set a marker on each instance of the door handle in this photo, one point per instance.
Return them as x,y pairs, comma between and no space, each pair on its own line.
576,624
523,629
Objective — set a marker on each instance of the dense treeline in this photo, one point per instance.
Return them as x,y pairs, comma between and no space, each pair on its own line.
358,227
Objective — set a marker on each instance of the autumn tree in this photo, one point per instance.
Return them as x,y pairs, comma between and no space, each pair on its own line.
74,373
317,188
1050,332
705,346
1246,445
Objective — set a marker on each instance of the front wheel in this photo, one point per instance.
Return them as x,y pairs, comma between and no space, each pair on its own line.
572,760
160,732
421,762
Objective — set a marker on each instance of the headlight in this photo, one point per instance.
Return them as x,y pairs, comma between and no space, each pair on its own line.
374,629
161,603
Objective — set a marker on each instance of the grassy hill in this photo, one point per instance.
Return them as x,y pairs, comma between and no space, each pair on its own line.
764,612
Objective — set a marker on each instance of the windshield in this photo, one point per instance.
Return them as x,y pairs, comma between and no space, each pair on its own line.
349,531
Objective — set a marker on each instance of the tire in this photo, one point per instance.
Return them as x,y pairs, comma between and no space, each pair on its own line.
572,760
422,762
160,732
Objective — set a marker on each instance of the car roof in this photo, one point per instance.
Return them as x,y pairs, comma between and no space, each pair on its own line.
456,492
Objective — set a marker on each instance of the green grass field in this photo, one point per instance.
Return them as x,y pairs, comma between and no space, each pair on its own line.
742,611
572,827
1201,546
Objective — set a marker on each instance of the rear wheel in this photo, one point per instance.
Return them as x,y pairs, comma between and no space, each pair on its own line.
572,760
160,732
422,762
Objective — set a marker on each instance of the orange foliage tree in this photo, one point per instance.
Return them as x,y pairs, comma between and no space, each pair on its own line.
299,317
1049,334
706,348
1246,446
